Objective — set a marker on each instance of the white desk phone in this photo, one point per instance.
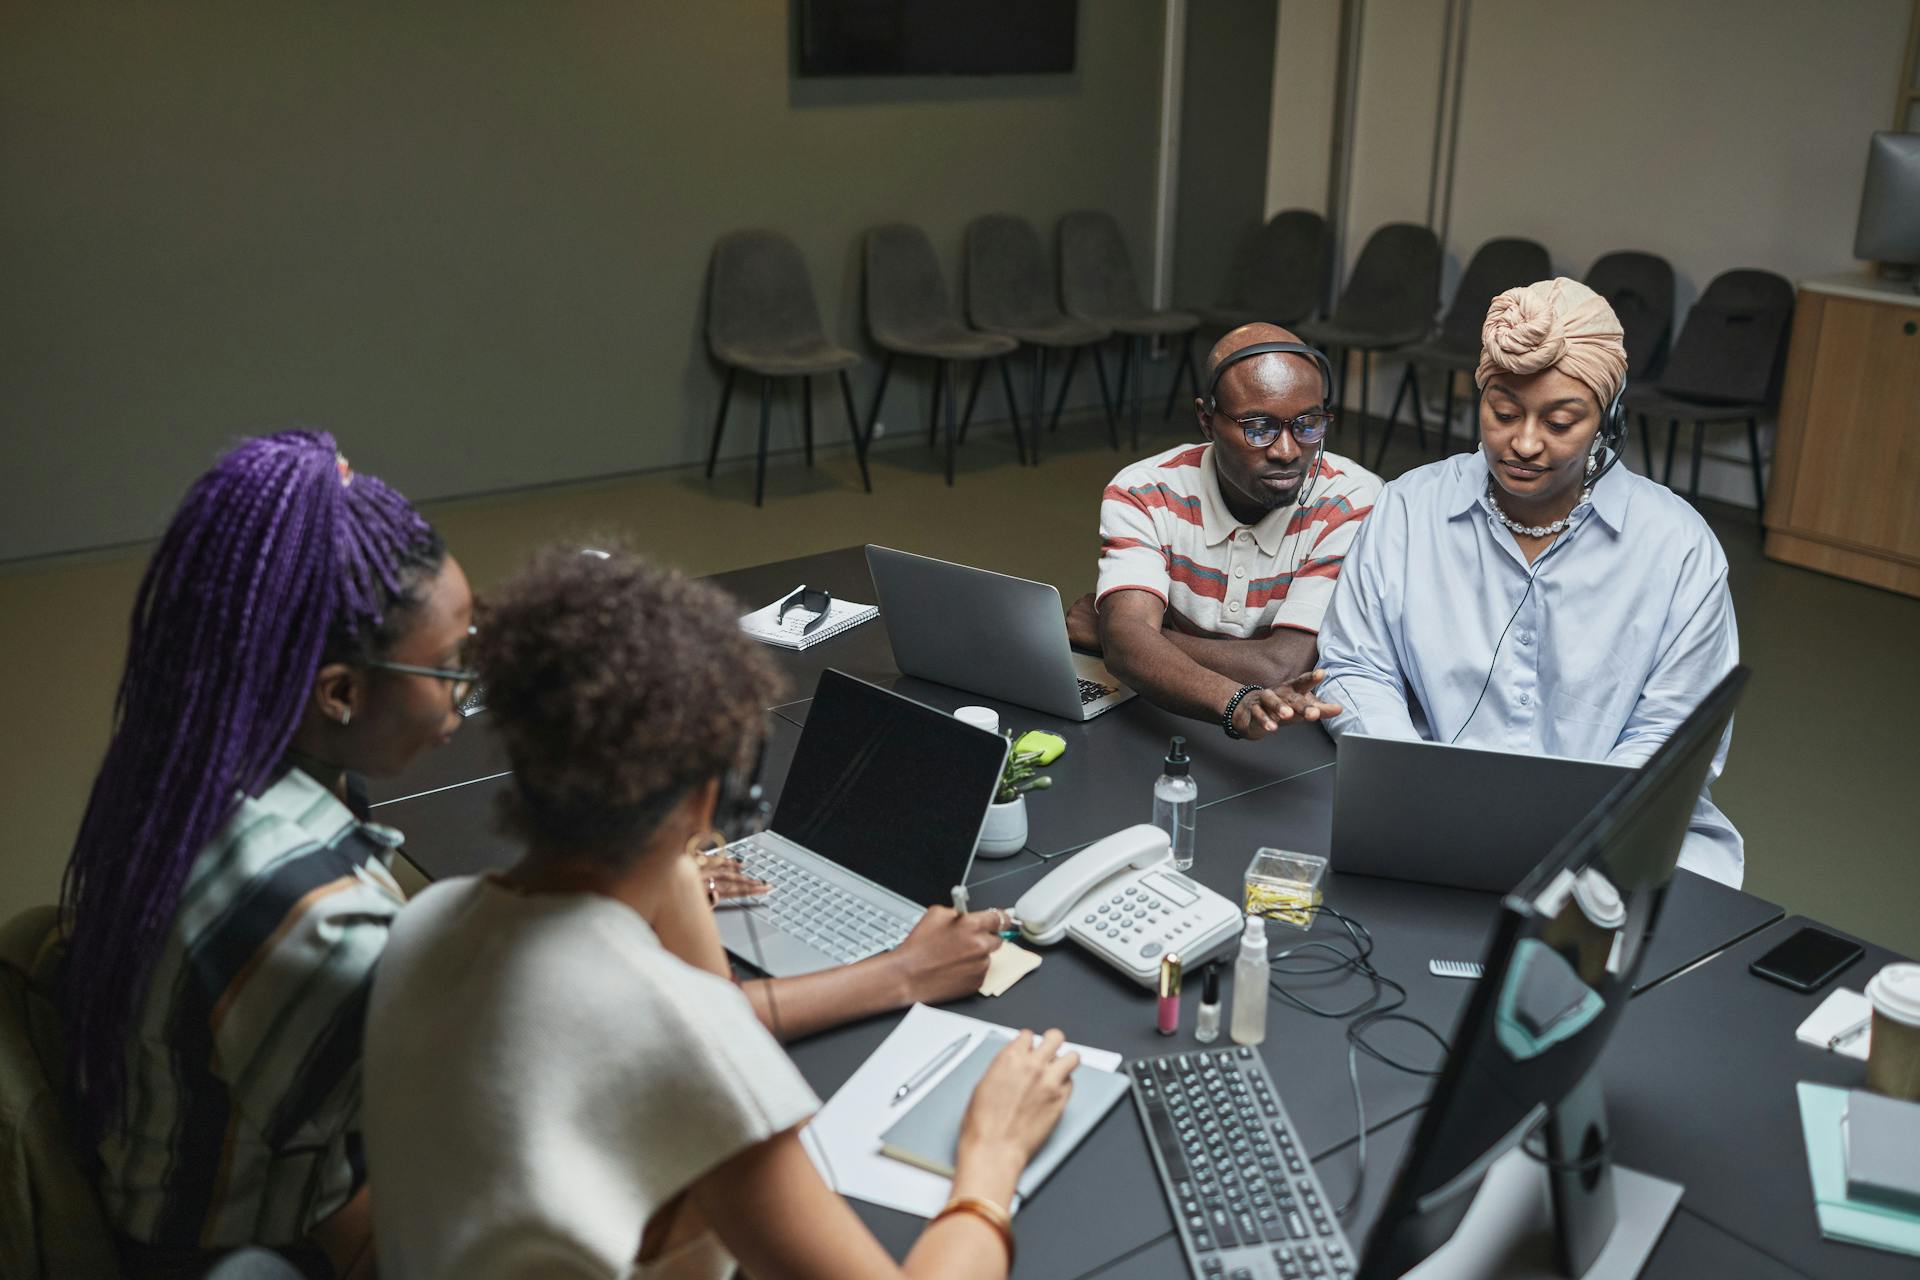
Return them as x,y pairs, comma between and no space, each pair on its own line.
1121,899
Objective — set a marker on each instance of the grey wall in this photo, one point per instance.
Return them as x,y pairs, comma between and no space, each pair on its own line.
1226,92
469,238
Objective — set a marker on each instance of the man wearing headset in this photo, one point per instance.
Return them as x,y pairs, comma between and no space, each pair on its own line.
1531,596
1217,560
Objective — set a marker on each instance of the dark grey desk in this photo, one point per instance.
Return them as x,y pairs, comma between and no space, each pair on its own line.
1104,1207
1700,1081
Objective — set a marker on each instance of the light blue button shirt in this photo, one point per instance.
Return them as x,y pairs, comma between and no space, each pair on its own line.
1627,627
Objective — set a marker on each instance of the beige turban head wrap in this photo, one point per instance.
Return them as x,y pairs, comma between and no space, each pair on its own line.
1555,324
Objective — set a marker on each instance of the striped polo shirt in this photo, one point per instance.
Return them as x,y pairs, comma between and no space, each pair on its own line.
1165,529
242,1120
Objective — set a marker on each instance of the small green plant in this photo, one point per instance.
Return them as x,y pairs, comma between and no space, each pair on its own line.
1021,774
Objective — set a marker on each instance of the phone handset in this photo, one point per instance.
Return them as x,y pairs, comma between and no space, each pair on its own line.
1045,910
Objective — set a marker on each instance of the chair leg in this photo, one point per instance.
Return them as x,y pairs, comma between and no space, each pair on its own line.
1366,371
1759,484
1173,380
1108,401
1419,414
720,419
766,422
1446,419
806,414
1013,409
1139,382
853,426
1340,381
1393,415
973,397
1673,439
879,393
933,403
1699,446
946,387
1646,445
1039,398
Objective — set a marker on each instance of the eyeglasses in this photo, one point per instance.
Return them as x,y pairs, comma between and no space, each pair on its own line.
1262,430
815,600
464,681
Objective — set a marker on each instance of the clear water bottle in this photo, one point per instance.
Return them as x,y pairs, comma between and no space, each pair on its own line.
1175,797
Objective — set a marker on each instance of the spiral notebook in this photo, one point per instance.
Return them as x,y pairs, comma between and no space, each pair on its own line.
842,615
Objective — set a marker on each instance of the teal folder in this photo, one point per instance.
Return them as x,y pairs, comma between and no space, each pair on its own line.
929,1133
1849,1221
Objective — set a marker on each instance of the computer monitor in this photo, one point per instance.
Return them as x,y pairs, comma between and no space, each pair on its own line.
1889,230
1558,974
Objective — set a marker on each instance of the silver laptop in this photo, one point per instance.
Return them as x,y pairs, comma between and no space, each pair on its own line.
877,819
1457,816
987,633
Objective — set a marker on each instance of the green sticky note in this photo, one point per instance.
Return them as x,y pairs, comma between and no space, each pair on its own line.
1049,746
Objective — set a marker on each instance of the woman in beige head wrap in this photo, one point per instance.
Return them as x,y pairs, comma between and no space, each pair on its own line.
1551,363
1524,599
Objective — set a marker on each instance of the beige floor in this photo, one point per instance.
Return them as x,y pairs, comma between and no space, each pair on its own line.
1822,779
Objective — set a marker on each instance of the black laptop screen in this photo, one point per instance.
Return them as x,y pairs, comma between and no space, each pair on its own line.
889,788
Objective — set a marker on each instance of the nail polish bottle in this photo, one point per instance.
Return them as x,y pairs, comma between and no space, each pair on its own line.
1207,1028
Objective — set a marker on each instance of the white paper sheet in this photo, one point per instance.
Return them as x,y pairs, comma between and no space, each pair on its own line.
844,1136
1840,1012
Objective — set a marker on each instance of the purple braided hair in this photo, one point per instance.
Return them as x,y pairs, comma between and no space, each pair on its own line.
276,557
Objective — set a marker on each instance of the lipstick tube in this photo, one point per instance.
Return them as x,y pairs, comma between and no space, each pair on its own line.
1169,1013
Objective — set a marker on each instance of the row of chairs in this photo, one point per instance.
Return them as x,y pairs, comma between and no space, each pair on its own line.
762,320
1724,366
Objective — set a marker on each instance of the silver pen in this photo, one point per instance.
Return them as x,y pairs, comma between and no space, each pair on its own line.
1839,1038
925,1073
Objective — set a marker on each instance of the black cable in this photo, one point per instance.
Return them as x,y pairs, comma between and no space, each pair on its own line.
1367,1013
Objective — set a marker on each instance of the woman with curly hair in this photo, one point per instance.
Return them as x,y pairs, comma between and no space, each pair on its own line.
224,902
560,1077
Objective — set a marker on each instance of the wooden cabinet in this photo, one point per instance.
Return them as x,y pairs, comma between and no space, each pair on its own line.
1846,487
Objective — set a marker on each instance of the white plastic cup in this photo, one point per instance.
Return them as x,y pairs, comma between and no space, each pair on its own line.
979,717
1893,1056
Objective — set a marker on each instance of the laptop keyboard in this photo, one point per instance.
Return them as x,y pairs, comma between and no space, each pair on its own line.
1093,691
817,911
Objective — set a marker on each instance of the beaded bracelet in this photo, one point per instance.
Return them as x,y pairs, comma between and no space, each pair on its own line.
988,1212
1226,719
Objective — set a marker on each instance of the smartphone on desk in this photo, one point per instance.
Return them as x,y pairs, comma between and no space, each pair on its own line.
1808,960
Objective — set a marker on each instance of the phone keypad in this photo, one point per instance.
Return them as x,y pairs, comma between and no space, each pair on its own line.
1137,923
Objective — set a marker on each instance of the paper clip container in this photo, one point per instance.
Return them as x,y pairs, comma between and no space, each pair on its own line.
1284,886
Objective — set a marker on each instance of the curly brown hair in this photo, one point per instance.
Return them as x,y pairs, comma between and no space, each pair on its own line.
618,686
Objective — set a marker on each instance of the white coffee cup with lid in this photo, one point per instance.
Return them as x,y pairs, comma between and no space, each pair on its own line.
1893,1057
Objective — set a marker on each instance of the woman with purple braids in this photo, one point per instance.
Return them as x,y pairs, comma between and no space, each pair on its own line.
300,623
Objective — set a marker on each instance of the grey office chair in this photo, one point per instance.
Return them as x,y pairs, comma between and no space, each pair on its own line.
1496,266
761,318
1725,367
1097,284
910,314
1388,303
1279,275
1010,291
1639,288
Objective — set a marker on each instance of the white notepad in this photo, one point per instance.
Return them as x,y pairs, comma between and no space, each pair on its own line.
842,615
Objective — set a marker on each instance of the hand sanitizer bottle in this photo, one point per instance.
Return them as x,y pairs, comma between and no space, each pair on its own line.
1250,985
1175,797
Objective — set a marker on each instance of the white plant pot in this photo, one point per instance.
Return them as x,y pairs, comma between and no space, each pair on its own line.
1005,831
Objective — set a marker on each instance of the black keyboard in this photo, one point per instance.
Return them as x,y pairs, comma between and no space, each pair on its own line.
1245,1196
1093,691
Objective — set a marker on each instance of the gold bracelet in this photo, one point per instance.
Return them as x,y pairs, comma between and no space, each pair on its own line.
988,1212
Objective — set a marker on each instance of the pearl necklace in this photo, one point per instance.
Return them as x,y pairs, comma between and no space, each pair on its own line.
1536,530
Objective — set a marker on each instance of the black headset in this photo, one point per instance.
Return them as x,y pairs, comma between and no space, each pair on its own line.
1318,357
1613,433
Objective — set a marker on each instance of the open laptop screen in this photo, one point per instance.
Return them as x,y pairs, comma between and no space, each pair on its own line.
888,788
